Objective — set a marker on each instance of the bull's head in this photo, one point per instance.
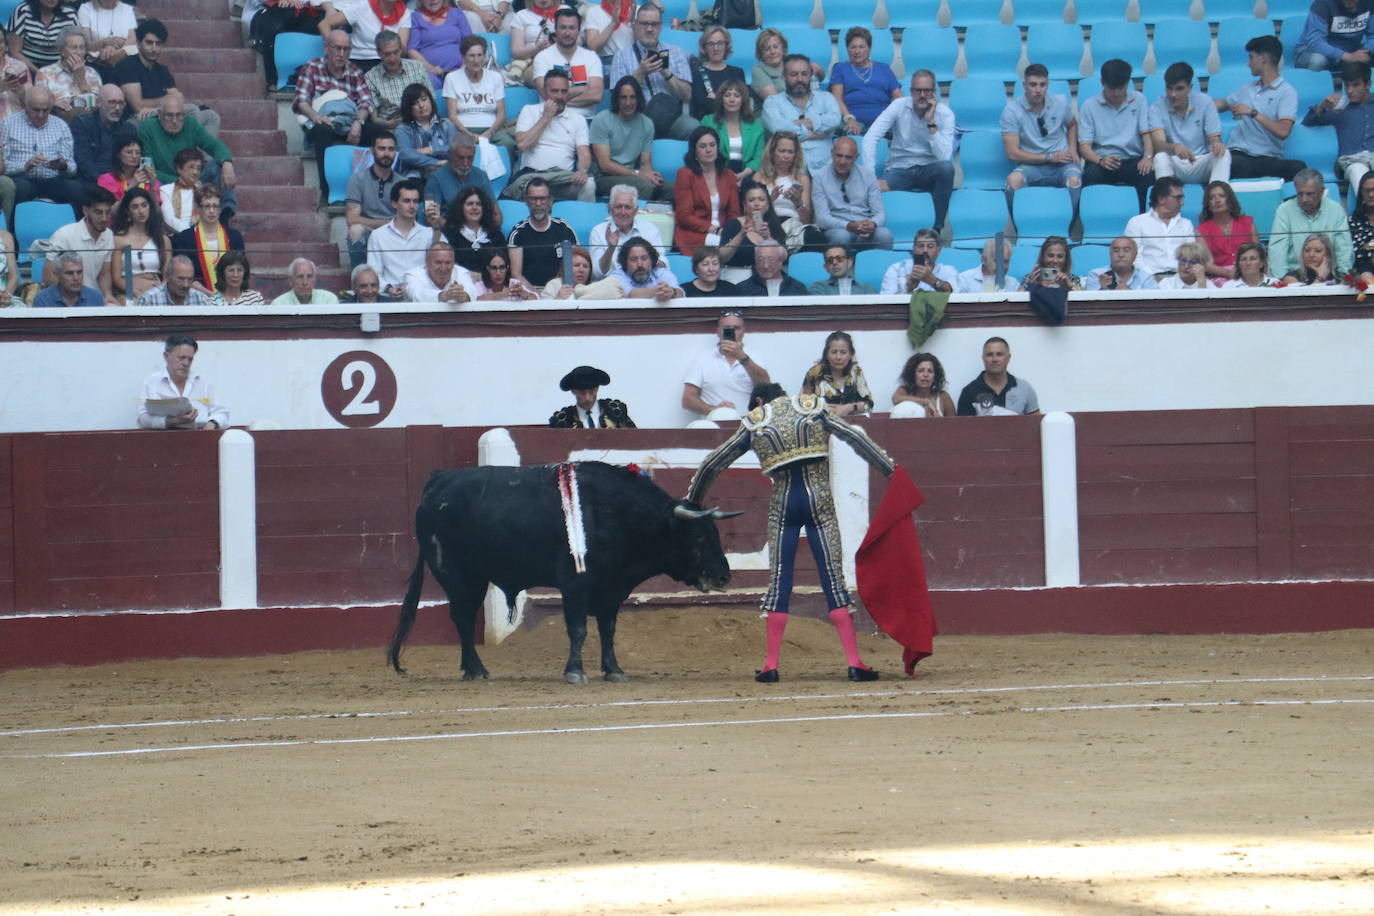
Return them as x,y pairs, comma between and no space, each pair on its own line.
697,557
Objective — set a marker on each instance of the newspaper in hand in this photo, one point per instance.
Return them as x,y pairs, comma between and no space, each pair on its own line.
167,407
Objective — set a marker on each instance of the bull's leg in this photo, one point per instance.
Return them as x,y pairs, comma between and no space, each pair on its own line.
576,619
605,626
464,603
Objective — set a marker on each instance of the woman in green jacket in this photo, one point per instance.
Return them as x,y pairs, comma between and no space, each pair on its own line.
741,134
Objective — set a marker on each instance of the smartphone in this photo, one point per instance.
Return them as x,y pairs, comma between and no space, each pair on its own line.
728,332
758,222
1046,273
146,163
663,58
918,259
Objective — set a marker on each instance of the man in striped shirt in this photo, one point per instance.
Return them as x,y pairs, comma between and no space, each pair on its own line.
39,154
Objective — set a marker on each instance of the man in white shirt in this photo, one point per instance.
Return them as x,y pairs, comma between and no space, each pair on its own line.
554,145
623,224
725,375
587,82
921,157
983,278
399,246
91,239
303,291
920,271
178,381
438,280
1159,231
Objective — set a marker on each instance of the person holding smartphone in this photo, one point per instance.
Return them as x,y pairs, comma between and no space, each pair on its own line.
1054,267
725,375
920,271
756,225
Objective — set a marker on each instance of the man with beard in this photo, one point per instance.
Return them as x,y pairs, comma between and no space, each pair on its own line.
553,144
367,203
814,116
536,244
642,276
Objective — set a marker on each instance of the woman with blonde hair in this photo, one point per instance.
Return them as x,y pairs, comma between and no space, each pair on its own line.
782,170
1194,259
710,72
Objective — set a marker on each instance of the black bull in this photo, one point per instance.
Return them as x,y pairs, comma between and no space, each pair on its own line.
505,526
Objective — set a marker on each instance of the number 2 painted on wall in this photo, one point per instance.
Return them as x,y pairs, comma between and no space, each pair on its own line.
358,389
361,403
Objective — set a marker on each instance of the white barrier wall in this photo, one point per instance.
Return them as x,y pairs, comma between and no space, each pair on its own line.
66,385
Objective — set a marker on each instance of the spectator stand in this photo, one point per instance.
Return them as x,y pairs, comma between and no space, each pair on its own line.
1041,212
936,50
806,267
871,263
975,216
1059,46
988,47
906,212
1105,209
34,221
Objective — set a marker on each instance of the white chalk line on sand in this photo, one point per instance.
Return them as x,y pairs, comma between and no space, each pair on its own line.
610,704
649,726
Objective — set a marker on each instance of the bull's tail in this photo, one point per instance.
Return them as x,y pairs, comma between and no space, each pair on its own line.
407,618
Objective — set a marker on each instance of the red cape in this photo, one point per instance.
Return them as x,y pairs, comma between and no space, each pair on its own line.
891,572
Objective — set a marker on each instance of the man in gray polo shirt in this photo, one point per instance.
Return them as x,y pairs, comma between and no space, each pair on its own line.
1114,134
367,202
996,392
1265,110
1186,130
1040,137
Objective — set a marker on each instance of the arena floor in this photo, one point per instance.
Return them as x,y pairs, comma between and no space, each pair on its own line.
1051,774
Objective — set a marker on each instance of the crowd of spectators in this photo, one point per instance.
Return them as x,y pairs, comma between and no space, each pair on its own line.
776,162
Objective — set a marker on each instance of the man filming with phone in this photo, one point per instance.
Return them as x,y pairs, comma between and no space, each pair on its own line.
663,71
725,375
921,271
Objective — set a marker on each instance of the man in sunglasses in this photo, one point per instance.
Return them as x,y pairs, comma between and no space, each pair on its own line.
1040,137
839,263
921,157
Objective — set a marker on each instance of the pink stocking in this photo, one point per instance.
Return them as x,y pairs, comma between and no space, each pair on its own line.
776,624
844,625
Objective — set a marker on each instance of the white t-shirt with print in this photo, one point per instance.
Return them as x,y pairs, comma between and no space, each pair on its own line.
475,103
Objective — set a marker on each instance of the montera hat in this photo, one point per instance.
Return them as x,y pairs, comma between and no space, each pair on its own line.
584,377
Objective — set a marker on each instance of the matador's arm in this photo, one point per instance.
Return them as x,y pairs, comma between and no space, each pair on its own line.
724,455
859,440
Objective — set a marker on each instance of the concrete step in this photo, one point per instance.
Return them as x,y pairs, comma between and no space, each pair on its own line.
211,87
275,282
185,33
249,143
273,260
281,229
170,10
247,114
209,59
272,170
277,198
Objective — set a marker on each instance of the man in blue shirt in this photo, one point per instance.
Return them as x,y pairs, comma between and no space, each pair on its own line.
1187,131
1353,120
443,185
70,291
1336,32
1114,134
921,157
813,116
1265,110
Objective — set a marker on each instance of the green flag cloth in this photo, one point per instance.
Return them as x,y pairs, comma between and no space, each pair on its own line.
927,311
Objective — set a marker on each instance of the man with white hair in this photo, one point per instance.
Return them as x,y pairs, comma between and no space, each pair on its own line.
622,225
39,153
178,290
983,278
70,290
1120,274
438,279
303,291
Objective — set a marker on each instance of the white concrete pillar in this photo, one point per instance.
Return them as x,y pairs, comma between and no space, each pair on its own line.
1059,490
496,448
238,520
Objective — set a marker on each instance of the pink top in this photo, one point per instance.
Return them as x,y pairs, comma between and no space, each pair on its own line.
1222,245
118,186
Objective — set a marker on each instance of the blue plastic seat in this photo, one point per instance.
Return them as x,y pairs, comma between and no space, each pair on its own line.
785,15
983,160
976,215
881,156
975,12
936,50
691,41
978,102
1040,212
291,50
807,267
1185,40
1259,198
512,212
1032,12
1087,258
1217,10
499,184
872,263
917,14
7,8
1192,201
1091,12
1124,40
1023,260
1057,45
1316,146
1282,9
1312,86
1088,87
1290,29
1105,209
667,157
814,43
992,50
582,215
1227,81
1233,33
1156,11
906,212
517,97
498,47
37,219
340,162
681,266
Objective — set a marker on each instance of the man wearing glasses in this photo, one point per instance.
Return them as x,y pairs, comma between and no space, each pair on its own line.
1040,137
921,157
1159,231
725,375
171,132
659,68
839,263
39,155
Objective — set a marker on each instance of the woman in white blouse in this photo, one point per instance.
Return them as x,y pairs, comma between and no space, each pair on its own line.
179,197
109,26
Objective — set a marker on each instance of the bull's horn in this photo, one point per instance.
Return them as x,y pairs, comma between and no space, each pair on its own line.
690,514
719,514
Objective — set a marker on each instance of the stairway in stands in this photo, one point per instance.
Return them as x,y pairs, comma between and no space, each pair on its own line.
277,209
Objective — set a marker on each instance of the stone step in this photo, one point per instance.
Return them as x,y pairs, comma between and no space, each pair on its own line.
247,114
211,87
273,260
272,170
185,33
209,59
170,10
281,230
277,198
249,143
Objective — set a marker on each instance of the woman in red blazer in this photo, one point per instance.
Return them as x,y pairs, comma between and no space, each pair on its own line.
693,212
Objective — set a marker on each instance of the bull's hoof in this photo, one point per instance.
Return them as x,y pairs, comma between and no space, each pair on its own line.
617,677
574,677
482,675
